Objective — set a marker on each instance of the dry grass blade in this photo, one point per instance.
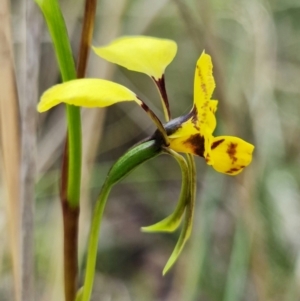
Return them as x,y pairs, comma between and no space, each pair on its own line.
28,114
10,139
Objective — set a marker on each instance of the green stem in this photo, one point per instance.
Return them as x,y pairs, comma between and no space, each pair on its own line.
71,167
93,243
74,154
59,35
124,165
161,86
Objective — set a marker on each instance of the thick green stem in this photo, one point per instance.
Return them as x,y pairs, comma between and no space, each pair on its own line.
71,167
74,155
61,43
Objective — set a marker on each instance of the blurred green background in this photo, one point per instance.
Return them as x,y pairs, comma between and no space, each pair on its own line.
245,244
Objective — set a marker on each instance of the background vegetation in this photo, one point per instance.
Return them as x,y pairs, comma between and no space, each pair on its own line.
245,244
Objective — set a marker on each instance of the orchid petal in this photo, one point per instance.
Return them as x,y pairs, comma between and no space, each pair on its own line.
86,92
148,55
204,83
230,155
192,144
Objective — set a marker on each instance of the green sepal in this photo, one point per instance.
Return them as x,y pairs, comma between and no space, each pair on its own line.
189,214
172,222
132,159
168,224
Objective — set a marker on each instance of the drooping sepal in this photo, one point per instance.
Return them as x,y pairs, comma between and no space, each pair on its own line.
184,236
186,203
172,222
189,216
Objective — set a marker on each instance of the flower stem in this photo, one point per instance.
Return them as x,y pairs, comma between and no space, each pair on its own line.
71,165
161,86
61,43
124,165
93,242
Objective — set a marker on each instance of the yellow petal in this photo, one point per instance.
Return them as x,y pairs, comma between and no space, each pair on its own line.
189,137
140,53
85,92
204,83
192,133
193,144
211,118
230,155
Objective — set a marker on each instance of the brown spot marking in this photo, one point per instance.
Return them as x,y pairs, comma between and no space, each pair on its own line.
203,86
197,143
233,170
217,143
195,118
231,151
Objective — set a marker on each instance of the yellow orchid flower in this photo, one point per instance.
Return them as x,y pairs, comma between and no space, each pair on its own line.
191,134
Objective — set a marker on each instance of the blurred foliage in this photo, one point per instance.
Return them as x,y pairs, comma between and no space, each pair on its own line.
245,243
